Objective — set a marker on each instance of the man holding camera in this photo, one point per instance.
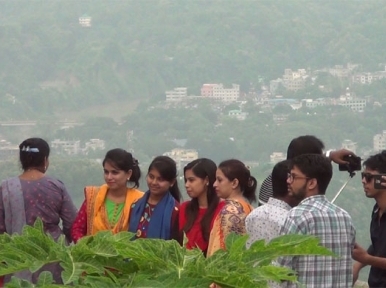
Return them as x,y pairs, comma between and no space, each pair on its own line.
309,177
374,184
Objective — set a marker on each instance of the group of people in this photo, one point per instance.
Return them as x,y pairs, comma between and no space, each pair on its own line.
292,200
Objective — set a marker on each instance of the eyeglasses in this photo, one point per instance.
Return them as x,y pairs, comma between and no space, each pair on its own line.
368,176
292,176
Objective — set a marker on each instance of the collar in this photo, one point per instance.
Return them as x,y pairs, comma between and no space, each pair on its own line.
314,198
278,203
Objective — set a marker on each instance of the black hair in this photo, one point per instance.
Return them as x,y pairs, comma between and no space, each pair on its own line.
306,144
377,162
33,153
123,160
315,166
235,169
167,168
279,179
202,168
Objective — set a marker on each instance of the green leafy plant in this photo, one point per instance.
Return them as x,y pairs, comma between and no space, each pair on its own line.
107,260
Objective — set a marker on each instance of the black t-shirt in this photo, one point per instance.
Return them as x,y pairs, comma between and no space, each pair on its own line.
377,276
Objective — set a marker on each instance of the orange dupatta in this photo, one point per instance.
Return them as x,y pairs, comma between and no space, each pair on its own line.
96,212
230,219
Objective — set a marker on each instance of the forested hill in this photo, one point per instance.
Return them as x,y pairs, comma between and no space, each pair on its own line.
138,49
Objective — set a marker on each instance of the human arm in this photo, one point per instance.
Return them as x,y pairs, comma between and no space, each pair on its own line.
338,155
365,258
79,227
67,213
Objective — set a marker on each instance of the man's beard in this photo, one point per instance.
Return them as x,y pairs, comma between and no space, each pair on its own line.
300,193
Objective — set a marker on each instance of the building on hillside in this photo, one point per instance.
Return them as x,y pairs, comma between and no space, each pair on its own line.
276,157
218,92
67,147
379,142
182,156
294,80
85,21
237,114
177,94
368,77
93,145
355,104
349,145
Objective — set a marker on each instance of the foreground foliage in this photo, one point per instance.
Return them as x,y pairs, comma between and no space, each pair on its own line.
107,260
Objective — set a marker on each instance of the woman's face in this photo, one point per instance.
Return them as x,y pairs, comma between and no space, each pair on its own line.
195,186
222,185
114,177
156,183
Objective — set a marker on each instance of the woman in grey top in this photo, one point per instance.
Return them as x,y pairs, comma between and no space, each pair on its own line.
34,195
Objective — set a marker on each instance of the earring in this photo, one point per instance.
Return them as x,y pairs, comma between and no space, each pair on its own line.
207,184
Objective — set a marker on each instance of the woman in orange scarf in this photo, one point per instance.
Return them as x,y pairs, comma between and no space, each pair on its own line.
108,207
235,185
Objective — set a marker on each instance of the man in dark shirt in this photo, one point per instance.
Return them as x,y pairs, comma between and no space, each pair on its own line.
375,256
306,144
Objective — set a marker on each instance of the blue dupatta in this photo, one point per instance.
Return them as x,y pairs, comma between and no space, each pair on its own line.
161,218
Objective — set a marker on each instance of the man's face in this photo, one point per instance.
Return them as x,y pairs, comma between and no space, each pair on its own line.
368,183
297,184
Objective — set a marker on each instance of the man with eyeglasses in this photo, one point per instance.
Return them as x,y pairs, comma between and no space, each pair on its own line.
307,181
375,256
306,144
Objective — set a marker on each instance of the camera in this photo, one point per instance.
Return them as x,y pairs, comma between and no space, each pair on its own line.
354,164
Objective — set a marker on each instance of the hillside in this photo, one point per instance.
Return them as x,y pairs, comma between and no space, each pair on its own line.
138,49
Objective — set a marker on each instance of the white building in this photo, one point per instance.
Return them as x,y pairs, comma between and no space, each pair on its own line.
182,156
218,92
379,141
93,145
237,114
69,147
294,80
177,94
355,104
85,21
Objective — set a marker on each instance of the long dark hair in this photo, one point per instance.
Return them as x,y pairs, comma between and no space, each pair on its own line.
167,168
202,168
125,161
235,169
33,153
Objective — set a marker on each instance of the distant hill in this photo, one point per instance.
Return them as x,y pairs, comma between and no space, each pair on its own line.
138,49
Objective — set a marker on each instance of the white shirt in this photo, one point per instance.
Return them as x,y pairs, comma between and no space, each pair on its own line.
265,222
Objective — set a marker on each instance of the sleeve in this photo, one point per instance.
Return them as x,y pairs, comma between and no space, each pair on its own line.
370,250
67,213
233,220
79,227
265,190
294,224
2,215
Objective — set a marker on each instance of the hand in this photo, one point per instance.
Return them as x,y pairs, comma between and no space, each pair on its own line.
356,268
214,285
360,254
337,156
